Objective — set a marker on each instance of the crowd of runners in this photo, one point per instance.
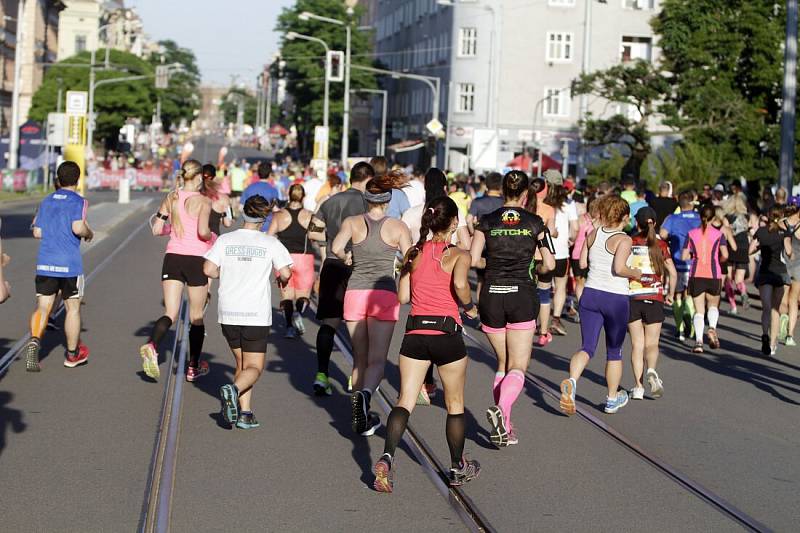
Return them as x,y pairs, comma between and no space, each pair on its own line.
542,251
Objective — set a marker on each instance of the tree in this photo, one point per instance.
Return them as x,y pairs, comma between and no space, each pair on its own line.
305,63
114,104
727,63
686,165
638,86
230,106
182,98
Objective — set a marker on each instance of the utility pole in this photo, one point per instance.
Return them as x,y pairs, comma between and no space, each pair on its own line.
789,110
13,147
346,114
585,66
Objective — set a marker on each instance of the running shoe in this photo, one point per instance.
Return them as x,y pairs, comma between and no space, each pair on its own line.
637,393
422,397
713,339
322,387
291,333
734,311
698,347
681,337
656,385
80,357
745,300
373,423
247,421
384,477
556,327
193,373
470,469
789,341
150,360
544,340
297,322
615,404
229,396
784,330
358,412
32,355
567,402
512,435
773,351
499,433
765,347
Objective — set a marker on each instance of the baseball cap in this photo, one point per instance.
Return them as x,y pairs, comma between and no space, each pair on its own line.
719,187
644,214
553,176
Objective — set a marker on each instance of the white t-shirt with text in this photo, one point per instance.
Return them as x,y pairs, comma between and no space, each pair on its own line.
246,258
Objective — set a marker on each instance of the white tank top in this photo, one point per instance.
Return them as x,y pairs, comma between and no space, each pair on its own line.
601,266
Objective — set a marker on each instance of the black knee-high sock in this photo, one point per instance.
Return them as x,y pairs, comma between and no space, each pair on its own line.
197,334
288,311
455,430
301,304
160,329
325,337
395,427
429,376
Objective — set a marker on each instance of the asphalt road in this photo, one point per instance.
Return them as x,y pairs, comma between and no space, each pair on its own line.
75,445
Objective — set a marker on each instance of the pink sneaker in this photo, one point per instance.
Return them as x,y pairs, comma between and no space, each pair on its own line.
544,340
195,373
80,357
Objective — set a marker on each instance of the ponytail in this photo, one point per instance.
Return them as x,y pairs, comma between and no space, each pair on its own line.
707,214
653,249
436,218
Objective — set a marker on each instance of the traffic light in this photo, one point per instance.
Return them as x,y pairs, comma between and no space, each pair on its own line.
334,65
162,77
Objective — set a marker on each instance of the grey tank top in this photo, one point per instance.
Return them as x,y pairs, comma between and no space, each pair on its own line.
373,260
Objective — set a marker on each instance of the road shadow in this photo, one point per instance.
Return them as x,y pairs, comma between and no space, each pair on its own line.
10,419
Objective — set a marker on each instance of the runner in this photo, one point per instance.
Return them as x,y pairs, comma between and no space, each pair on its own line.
537,192
221,213
262,187
793,267
5,287
243,260
605,303
188,213
586,223
290,226
705,247
60,223
675,230
436,186
651,255
434,279
371,307
238,176
737,214
509,301
488,203
334,273
772,276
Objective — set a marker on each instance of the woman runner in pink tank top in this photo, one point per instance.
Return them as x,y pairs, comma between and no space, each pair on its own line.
187,212
434,278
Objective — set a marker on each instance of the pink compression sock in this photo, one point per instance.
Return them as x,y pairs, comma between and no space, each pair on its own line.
730,293
512,385
498,379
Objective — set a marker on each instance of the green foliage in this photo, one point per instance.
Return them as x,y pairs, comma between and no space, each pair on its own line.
607,169
305,62
727,64
114,104
686,165
230,106
182,98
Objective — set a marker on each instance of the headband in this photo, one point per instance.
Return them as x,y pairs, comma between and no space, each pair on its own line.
380,198
253,220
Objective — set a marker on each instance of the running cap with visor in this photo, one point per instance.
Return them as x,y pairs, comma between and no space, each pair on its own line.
553,176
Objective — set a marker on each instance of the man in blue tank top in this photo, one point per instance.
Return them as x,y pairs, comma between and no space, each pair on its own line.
60,224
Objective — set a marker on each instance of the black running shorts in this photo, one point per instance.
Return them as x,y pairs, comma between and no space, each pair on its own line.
251,339
500,305
648,311
187,269
438,349
698,286
333,278
69,287
577,271
558,272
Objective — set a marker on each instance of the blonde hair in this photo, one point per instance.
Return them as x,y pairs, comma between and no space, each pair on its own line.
735,204
190,170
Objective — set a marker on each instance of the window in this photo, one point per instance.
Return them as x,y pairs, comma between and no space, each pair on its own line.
80,43
467,42
561,3
638,4
559,46
466,97
636,48
557,102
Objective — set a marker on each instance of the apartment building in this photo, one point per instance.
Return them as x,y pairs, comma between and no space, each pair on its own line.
94,24
504,65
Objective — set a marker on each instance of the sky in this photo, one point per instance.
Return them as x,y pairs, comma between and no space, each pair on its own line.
229,37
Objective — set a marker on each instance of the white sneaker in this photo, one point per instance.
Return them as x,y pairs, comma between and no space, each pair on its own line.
656,385
637,393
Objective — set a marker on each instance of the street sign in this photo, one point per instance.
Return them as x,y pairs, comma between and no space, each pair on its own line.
76,130
334,65
321,142
56,128
434,126
485,145
162,77
77,102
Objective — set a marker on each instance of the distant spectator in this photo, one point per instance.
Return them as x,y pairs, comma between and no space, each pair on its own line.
664,204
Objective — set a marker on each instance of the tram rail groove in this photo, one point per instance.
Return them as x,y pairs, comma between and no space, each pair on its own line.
690,485
10,355
157,506
463,505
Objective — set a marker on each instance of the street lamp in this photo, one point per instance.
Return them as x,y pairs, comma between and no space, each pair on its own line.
291,36
307,15
384,94
92,83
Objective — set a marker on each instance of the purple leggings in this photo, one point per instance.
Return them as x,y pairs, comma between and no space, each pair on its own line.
598,310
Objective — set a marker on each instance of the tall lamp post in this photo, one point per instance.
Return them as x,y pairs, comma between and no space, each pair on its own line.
586,65
306,15
326,102
789,110
93,84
